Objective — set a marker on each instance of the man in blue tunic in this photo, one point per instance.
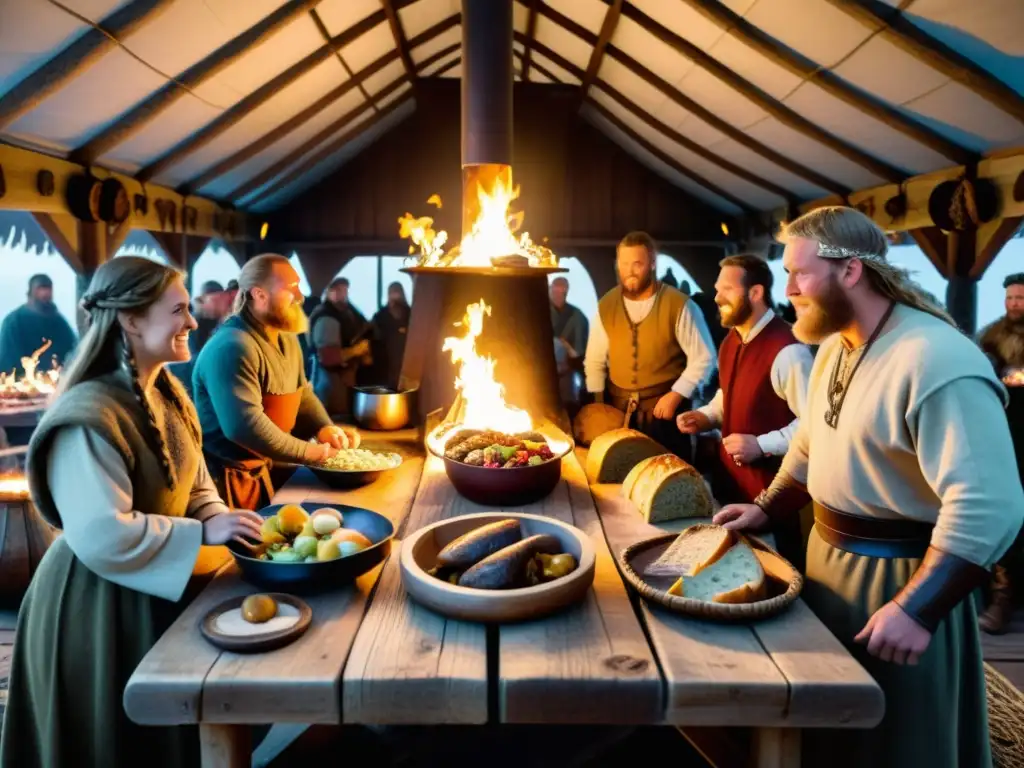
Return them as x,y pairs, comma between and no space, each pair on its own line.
31,325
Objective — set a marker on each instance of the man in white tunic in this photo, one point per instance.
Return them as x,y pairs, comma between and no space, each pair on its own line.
906,452
650,345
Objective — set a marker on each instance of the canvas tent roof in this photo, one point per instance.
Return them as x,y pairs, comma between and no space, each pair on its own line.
747,104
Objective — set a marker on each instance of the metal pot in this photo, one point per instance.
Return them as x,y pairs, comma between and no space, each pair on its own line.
383,409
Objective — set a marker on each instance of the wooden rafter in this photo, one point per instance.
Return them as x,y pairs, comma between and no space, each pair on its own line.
531,32
433,58
783,56
77,57
325,152
401,42
668,160
326,35
775,108
547,73
260,96
154,105
892,25
611,20
253,148
450,65
257,181
708,117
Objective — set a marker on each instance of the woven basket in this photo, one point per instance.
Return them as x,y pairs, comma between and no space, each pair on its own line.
762,609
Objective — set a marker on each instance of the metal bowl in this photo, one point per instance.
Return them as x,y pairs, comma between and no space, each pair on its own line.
501,487
382,409
315,577
351,478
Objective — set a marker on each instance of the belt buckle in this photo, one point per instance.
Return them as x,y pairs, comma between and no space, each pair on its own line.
631,405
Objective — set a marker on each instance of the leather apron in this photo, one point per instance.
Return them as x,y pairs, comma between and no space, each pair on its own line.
246,484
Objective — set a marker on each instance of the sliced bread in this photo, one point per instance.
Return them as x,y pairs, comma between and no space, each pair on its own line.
634,474
774,566
668,488
693,550
613,454
736,577
594,420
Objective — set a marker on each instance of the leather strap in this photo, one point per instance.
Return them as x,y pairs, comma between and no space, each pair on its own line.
937,587
872,536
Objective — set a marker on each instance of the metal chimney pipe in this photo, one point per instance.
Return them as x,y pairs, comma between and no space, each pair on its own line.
486,82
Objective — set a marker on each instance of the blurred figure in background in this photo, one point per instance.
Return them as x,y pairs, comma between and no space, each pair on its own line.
571,331
391,326
29,326
339,335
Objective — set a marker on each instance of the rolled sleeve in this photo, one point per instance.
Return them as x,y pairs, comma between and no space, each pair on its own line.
695,340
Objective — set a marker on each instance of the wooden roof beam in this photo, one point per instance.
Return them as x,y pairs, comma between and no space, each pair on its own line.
77,57
773,107
531,33
260,96
401,42
253,148
450,65
328,150
326,35
611,20
668,160
783,56
708,117
154,105
892,25
281,165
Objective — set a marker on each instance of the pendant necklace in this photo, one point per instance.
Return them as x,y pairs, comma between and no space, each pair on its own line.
839,384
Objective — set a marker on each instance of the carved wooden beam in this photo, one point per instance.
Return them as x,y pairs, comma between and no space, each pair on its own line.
531,33
890,24
336,49
154,105
773,107
668,160
153,207
783,56
611,20
325,152
710,118
401,42
77,57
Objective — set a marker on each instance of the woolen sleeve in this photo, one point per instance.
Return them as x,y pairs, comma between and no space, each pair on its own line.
966,455
595,362
694,338
92,492
204,501
312,415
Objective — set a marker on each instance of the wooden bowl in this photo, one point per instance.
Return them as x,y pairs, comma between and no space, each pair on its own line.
419,554
634,559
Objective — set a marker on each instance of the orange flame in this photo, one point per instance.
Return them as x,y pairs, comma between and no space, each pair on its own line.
34,384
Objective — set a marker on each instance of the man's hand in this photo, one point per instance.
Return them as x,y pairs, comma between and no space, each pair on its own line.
741,517
744,449
339,437
892,635
667,405
693,422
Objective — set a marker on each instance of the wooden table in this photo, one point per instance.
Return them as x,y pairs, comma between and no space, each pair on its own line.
373,656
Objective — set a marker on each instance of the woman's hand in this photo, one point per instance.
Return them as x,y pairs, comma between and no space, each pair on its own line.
339,437
241,525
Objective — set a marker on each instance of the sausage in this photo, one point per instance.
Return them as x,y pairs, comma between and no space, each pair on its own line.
474,546
506,568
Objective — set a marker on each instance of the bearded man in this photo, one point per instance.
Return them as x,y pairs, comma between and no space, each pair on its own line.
254,403
1003,342
763,372
650,345
904,448
338,333
31,325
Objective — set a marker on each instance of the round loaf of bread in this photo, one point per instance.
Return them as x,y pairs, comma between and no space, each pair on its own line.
667,488
594,420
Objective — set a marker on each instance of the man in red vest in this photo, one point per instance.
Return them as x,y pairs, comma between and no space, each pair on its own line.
763,373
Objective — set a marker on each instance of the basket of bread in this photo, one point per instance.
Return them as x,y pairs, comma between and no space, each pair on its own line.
710,572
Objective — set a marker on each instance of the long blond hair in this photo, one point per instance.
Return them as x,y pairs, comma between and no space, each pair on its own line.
255,273
849,230
132,285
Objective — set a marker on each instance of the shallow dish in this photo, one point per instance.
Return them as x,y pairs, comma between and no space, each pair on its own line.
263,641
419,553
352,478
635,558
333,574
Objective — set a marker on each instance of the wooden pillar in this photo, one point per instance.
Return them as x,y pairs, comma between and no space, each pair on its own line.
183,251
322,264
961,286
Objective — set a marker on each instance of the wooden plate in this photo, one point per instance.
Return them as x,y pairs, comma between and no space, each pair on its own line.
783,587
419,553
266,641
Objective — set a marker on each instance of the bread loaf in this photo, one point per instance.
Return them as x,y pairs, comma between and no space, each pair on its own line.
594,420
613,454
736,577
667,488
693,550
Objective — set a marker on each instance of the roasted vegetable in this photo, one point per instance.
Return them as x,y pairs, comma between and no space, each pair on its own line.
506,568
556,566
474,546
476,458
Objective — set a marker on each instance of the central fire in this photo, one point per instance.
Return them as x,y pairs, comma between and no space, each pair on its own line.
33,384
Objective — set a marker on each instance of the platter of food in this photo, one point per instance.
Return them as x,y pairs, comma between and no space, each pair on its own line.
352,467
254,623
497,566
496,468
713,573
314,546
1013,377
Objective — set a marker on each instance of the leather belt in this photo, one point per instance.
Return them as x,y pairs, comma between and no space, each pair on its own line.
872,536
647,393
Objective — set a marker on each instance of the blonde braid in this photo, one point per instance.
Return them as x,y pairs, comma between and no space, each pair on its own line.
154,436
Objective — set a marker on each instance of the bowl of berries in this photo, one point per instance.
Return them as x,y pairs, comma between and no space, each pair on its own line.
501,469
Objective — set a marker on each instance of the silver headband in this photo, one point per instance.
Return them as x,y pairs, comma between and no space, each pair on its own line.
827,251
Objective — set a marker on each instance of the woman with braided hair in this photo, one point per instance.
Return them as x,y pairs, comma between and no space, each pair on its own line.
116,463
